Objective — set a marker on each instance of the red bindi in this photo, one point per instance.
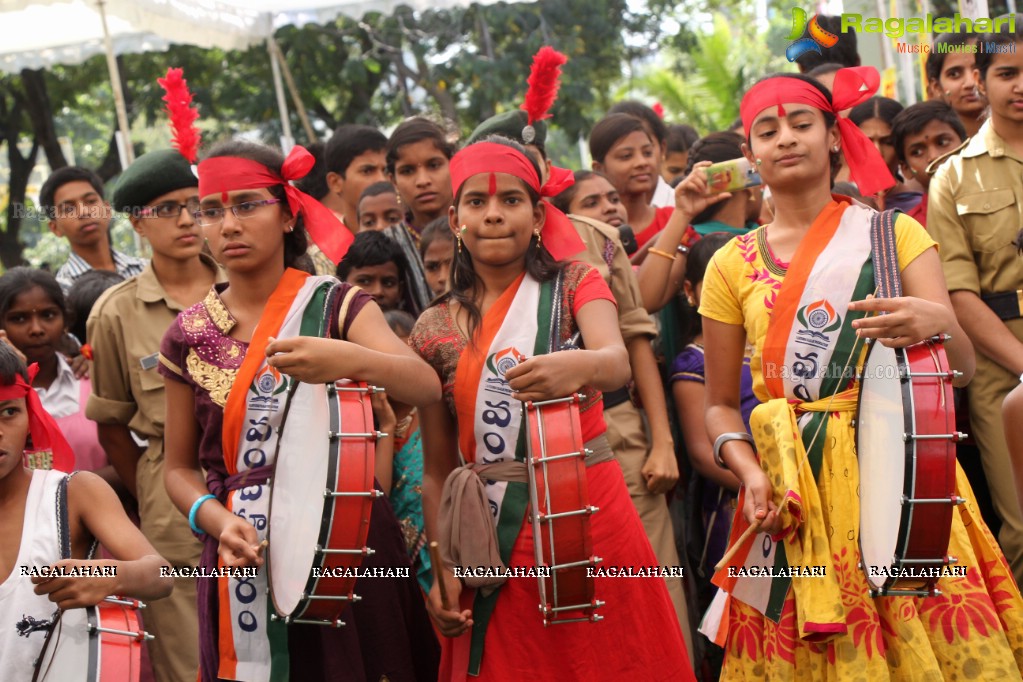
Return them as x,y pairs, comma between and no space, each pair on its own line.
493,184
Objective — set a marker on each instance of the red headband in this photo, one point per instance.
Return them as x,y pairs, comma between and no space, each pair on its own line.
853,86
46,435
225,174
559,237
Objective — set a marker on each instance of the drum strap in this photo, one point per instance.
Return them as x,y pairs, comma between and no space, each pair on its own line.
63,523
885,257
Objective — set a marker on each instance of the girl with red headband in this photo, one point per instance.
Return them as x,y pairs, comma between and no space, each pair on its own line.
51,520
512,289
813,262
223,349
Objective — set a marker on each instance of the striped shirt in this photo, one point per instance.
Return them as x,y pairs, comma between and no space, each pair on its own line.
76,266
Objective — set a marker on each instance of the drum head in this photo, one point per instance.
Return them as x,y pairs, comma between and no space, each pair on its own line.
70,653
296,500
880,448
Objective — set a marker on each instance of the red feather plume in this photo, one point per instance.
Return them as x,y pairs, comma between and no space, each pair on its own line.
544,81
186,135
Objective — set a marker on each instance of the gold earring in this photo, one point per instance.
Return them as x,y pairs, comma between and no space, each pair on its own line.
458,238
691,301
539,237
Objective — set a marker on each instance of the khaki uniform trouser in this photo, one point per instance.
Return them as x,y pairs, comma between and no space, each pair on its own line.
628,437
174,621
990,384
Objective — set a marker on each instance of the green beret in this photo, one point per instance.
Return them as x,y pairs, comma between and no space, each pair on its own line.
510,124
152,175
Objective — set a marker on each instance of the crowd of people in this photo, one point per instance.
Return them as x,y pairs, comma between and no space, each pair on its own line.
139,407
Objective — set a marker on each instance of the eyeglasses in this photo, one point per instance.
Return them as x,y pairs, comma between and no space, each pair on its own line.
208,217
170,209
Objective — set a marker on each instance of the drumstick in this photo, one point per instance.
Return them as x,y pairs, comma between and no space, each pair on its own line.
438,566
261,546
754,527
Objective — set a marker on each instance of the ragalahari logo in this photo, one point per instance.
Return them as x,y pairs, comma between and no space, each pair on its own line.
817,39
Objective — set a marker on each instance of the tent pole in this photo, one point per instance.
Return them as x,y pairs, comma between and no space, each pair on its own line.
295,98
126,150
287,139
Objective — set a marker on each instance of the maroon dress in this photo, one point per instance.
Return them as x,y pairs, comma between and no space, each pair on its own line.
388,634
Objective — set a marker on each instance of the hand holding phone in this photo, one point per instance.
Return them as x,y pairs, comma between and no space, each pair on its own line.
731,176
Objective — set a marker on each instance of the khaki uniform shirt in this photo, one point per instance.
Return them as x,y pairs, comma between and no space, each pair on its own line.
975,211
125,329
602,241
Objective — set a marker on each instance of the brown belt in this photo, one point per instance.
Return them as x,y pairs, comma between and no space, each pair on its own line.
465,525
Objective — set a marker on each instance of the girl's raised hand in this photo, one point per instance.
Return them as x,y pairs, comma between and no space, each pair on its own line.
908,320
691,196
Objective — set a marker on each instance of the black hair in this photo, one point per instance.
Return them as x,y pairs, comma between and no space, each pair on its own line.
11,366
913,119
881,108
315,183
438,228
83,295
609,130
716,148
829,116
540,264
563,201
701,253
296,242
844,52
378,188
416,130
680,138
935,61
349,141
824,69
985,58
653,123
20,279
372,248
397,319
696,267
61,177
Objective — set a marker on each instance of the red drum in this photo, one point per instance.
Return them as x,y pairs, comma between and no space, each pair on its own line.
905,443
560,511
101,643
321,497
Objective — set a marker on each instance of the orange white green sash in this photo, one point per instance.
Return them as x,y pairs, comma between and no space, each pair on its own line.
517,326
252,647
806,360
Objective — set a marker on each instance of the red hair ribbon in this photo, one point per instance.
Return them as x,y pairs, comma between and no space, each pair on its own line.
223,174
853,86
559,236
46,435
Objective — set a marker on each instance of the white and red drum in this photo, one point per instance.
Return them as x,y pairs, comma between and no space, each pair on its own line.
101,643
560,511
905,443
321,498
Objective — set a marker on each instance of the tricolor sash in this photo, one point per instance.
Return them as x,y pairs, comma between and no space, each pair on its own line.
518,326
809,370
252,647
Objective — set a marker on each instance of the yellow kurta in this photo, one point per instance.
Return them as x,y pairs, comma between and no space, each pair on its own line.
972,631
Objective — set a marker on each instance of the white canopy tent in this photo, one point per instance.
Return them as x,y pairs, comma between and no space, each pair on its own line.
41,33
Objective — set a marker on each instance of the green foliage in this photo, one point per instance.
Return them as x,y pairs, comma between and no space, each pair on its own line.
703,86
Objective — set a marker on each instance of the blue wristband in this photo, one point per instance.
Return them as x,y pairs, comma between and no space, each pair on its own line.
195,510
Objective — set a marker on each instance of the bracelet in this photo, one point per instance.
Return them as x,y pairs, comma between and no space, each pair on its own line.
724,438
195,510
663,254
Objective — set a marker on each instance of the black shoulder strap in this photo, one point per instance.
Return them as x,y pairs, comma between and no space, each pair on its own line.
887,278
63,523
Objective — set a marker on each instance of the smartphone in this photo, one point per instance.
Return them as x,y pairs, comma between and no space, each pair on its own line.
731,176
